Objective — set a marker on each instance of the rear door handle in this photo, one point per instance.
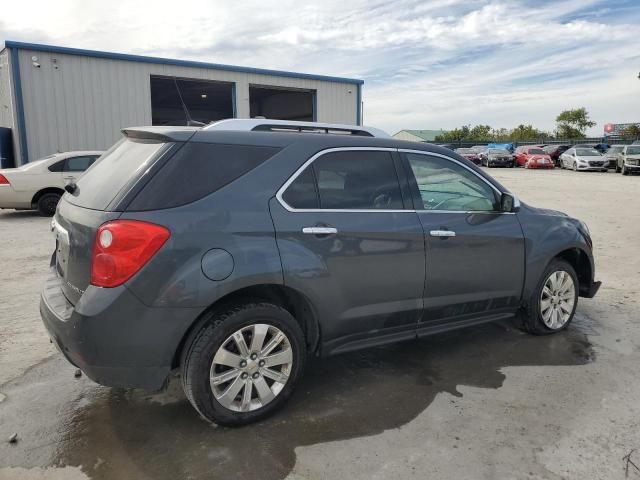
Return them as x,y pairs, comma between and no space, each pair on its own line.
320,230
442,233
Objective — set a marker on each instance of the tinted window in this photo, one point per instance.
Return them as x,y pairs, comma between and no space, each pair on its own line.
349,180
536,151
115,170
196,170
445,185
78,164
57,167
302,192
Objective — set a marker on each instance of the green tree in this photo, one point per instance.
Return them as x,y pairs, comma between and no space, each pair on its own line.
632,131
480,133
573,123
527,132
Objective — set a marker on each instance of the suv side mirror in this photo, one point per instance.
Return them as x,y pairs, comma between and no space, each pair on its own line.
509,203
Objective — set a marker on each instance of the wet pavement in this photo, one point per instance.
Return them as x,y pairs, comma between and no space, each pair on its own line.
115,434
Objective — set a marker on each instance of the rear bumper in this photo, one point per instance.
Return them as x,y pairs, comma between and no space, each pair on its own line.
112,337
9,198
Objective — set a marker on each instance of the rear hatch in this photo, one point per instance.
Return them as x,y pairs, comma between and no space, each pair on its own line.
100,195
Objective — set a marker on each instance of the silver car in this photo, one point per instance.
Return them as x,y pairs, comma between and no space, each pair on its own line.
580,159
628,159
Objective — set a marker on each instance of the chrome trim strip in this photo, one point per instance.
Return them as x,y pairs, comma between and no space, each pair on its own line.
297,173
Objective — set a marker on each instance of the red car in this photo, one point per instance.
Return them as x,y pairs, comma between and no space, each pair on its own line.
469,154
529,156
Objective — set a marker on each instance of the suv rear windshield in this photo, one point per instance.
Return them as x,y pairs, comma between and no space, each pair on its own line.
115,170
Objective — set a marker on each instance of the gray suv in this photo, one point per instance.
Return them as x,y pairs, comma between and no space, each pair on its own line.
233,253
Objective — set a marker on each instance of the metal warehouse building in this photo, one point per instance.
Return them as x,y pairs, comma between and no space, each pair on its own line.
56,99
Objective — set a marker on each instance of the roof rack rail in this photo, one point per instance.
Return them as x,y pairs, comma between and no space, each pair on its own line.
268,125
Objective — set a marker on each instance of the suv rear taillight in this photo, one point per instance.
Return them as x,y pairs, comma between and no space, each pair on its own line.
122,248
3,180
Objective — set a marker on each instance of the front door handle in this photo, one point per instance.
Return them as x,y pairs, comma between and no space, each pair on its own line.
320,230
442,233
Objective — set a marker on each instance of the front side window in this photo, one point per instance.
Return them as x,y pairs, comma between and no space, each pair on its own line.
347,180
445,185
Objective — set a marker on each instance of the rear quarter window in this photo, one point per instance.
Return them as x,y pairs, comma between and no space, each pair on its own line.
115,171
197,170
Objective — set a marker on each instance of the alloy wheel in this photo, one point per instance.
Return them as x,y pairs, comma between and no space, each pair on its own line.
251,367
557,300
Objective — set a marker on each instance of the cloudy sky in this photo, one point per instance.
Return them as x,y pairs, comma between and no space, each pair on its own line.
426,64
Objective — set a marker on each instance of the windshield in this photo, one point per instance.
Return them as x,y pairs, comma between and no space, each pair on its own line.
113,171
536,151
633,151
497,151
464,150
587,152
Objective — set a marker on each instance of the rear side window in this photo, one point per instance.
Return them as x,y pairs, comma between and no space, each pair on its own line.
57,167
347,180
78,164
116,169
196,170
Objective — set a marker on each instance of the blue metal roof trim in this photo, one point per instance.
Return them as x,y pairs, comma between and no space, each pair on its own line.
170,61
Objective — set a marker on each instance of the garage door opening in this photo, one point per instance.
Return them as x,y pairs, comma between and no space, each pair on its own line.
282,104
206,101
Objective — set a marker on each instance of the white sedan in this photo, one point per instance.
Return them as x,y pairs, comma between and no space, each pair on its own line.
579,158
39,185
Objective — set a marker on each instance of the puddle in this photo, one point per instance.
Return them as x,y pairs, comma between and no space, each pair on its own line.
115,434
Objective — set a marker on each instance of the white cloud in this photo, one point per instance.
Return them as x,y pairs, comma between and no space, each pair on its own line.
432,64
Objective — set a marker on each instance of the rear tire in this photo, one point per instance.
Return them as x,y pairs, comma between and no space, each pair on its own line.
552,305
47,204
218,343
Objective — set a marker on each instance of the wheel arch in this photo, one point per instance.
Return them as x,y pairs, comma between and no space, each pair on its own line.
579,260
43,191
297,304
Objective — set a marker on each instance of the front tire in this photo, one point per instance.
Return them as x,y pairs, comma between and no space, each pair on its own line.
553,303
47,204
244,363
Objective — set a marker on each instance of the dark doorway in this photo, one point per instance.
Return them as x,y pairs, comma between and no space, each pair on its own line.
281,104
206,101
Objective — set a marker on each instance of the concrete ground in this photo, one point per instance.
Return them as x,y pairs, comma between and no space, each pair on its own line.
483,403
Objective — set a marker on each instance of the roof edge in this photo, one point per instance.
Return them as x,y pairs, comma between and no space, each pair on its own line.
173,61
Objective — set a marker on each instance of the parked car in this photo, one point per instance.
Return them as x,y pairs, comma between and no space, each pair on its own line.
628,160
494,157
612,156
580,158
470,154
39,185
554,151
501,146
330,252
532,157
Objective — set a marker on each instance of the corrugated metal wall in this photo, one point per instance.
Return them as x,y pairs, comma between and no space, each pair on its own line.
6,105
74,102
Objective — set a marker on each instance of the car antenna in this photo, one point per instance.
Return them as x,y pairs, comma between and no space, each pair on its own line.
190,121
